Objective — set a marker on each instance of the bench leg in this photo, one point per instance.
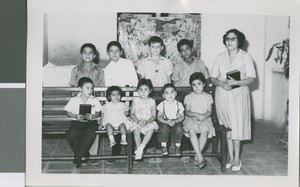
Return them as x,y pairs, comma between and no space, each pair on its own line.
129,153
214,144
223,150
99,145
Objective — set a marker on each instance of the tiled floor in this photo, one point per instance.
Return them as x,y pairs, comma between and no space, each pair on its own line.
261,156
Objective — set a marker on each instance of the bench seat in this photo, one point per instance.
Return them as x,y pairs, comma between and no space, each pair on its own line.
55,122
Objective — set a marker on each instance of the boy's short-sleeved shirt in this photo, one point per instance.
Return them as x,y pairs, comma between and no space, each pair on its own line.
157,73
171,110
74,103
182,71
96,73
120,73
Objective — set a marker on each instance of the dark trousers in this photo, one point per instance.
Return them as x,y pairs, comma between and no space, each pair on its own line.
81,136
164,131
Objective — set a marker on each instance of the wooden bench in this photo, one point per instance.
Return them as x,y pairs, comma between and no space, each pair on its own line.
55,122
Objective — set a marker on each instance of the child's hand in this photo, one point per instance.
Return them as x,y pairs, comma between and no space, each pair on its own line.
142,123
88,116
171,123
200,117
195,118
79,117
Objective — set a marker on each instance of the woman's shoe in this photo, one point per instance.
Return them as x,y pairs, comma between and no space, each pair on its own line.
229,165
237,168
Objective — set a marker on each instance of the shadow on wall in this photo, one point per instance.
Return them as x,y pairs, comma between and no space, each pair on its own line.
252,88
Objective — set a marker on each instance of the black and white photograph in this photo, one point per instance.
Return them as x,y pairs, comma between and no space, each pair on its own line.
130,94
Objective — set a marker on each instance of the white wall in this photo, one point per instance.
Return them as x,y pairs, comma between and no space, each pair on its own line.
67,32
276,86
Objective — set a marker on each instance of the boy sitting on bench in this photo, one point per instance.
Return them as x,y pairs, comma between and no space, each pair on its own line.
81,133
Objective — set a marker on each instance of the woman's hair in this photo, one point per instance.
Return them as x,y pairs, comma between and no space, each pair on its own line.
146,82
84,80
113,43
155,39
168,85
187,42
111,89
240,36
197,76
90,45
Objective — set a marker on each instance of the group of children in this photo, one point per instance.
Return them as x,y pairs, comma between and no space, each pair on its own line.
146,117
190,117
122,72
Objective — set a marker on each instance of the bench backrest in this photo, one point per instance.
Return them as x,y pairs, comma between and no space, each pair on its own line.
55,98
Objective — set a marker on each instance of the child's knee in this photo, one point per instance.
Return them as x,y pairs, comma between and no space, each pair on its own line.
205,133
122,126
150,131
192,131
178,129
163,132
108,126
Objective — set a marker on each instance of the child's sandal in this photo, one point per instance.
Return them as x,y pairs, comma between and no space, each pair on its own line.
202,164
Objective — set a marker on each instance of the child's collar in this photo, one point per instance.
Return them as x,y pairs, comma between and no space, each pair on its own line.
160,57
83,64
171,101
189,63
79,94
115,61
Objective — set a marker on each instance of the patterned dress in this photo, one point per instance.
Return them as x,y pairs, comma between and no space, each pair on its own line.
143,111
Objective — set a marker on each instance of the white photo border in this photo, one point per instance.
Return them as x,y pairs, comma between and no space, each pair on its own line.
36,10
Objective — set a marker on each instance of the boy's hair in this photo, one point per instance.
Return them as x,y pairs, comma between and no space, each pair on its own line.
240,37
168,85
146,82
187,42
111,89
197,76
155,39
90,45
84,80
113,43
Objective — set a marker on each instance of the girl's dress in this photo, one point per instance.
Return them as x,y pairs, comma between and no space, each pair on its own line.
233,107
143,111
114,115
199,104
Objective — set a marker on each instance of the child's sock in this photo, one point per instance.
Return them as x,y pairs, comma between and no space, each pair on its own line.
123,140
177,144
164,144
111,138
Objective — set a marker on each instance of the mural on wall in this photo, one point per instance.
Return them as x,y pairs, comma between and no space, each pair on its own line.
134,30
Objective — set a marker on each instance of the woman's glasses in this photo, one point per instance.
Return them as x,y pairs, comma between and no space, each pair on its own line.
231,39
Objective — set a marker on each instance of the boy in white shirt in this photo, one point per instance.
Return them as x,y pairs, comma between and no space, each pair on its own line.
81,133
119,71
170,116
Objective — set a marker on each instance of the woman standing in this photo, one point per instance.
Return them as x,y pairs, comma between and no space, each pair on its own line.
233,71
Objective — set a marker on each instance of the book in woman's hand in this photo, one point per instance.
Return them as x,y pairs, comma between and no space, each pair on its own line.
85,109
236,75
